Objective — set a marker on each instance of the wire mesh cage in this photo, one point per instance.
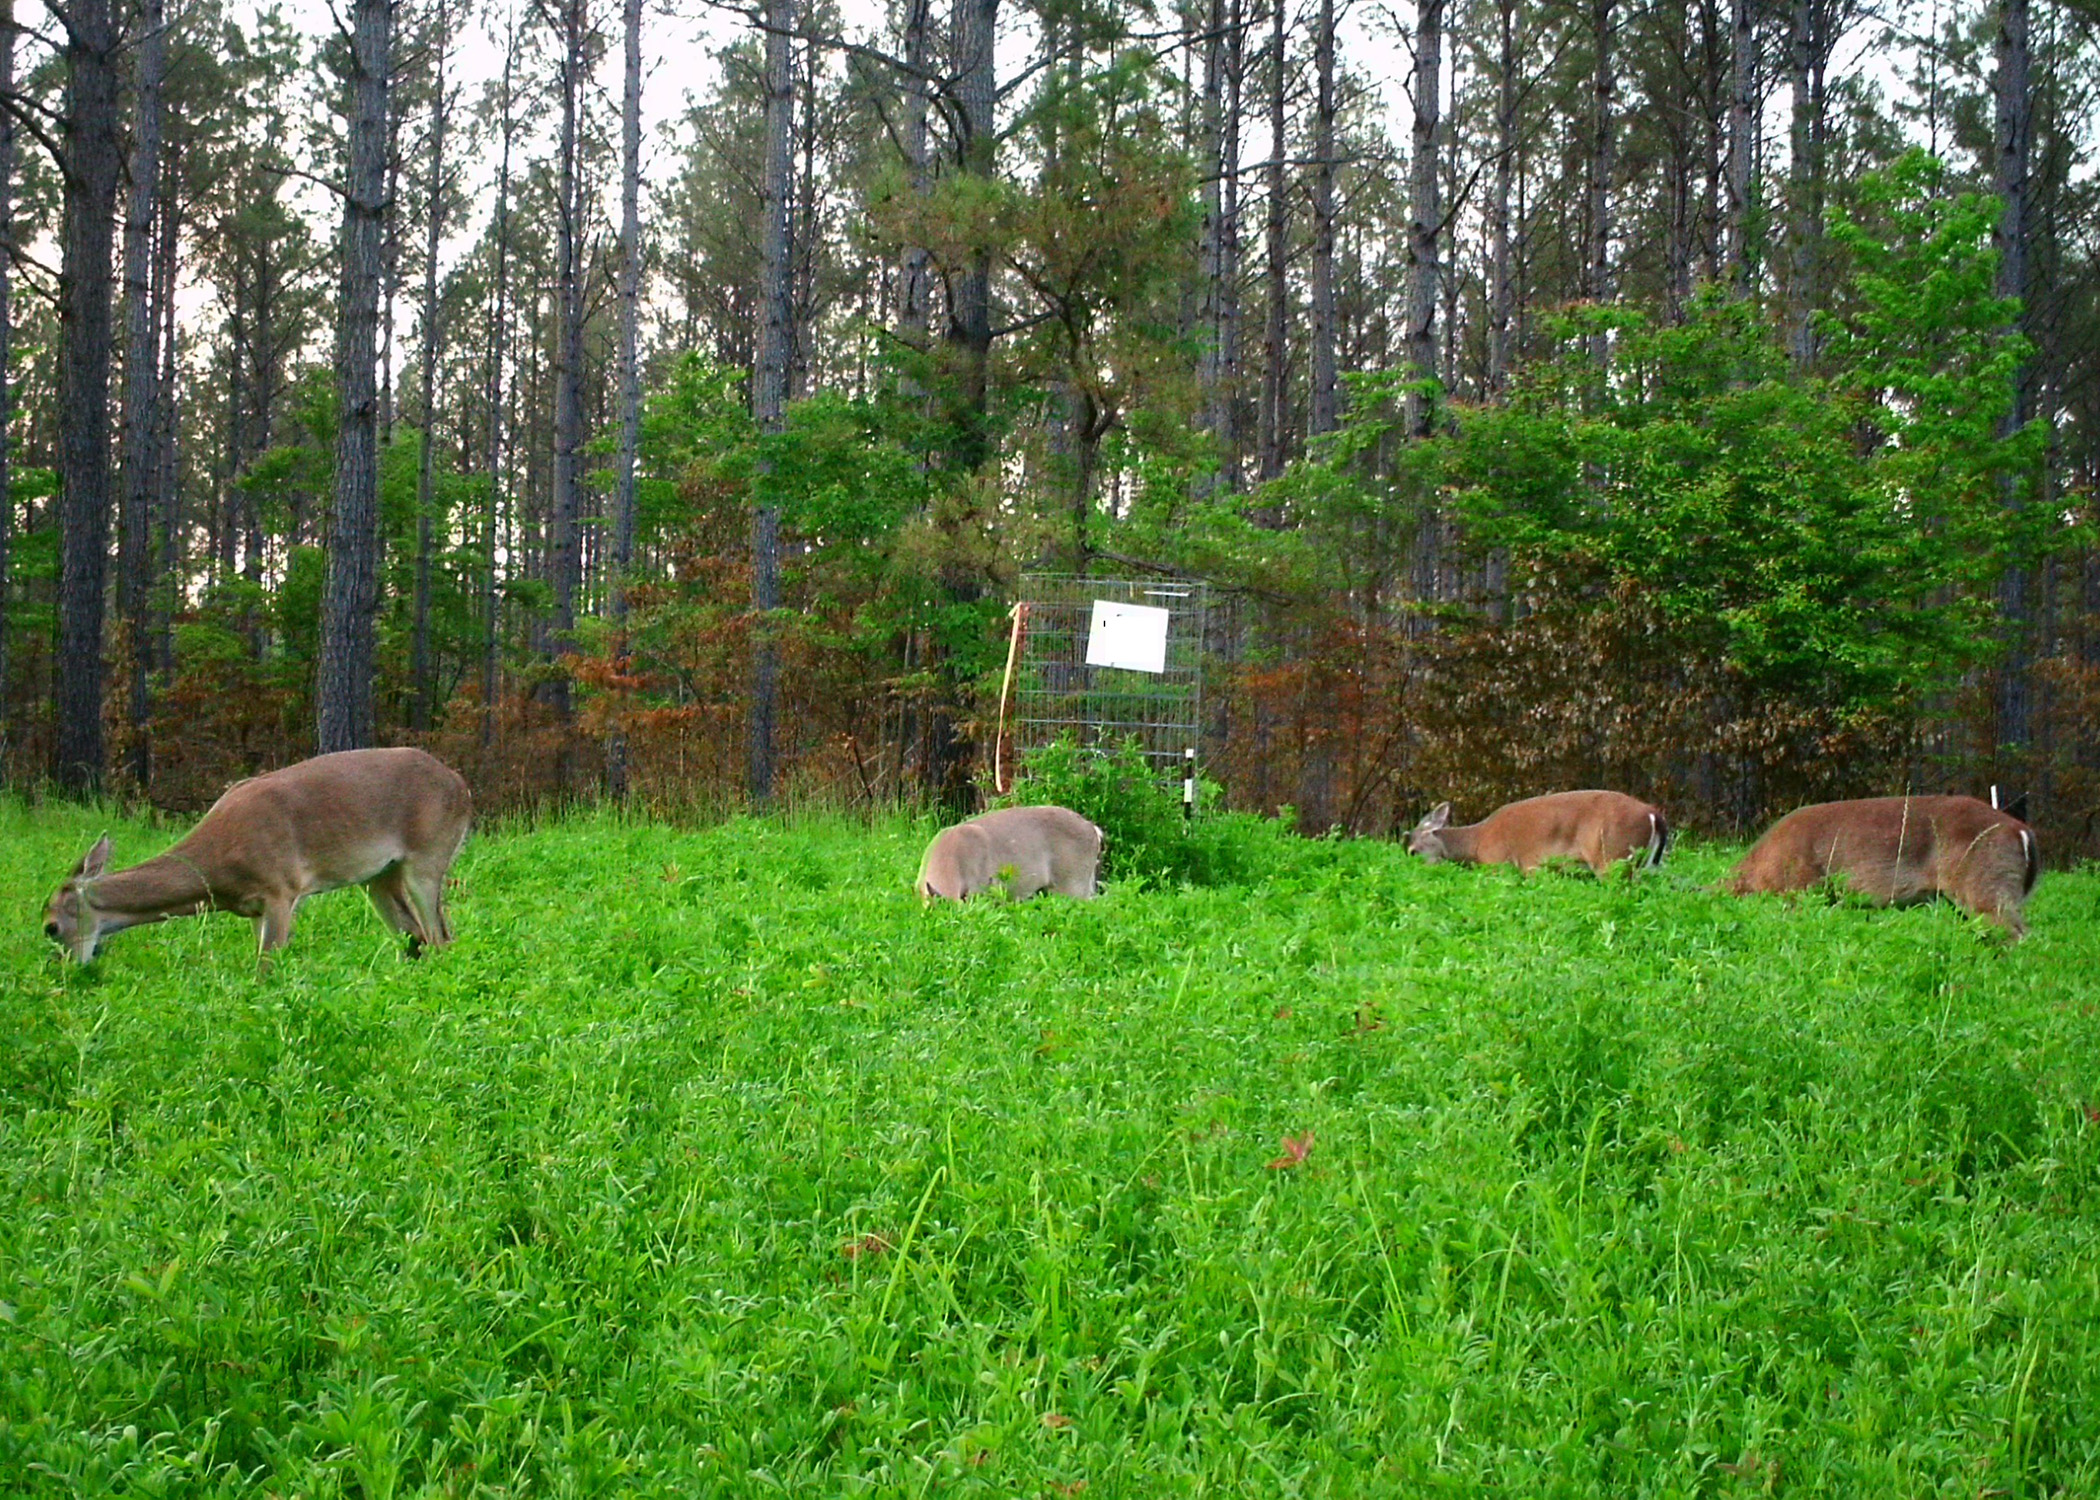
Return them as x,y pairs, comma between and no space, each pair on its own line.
1057,691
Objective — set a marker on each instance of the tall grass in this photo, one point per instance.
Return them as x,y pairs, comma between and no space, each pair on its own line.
710,1163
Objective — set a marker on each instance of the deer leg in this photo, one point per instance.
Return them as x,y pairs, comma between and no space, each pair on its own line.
429,888
394,899
273,929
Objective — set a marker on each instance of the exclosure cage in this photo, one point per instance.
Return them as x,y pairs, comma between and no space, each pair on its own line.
1057,692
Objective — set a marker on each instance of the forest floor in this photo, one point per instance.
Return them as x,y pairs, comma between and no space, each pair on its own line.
707,1162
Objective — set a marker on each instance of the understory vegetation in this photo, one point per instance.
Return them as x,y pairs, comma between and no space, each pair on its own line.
709,1162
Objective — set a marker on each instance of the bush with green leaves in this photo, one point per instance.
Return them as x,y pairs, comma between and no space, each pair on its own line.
1139,813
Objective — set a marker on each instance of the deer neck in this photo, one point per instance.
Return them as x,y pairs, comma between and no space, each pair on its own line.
1462,844
169,886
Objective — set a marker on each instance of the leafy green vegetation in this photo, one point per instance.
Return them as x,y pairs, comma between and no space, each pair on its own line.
1144,832
709,1162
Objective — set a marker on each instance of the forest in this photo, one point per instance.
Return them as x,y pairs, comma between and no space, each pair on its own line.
1699,400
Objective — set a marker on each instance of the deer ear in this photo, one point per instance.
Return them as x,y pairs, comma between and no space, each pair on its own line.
94,862
1438,817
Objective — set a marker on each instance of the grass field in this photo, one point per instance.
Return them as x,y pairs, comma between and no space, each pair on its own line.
707,1162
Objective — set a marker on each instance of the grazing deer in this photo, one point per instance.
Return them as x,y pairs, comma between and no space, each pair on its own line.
1025,849
1900,850
389,820
1598,828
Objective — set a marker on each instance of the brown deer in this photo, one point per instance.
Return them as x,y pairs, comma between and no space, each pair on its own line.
1598,828
1900,850
389,820
1024,849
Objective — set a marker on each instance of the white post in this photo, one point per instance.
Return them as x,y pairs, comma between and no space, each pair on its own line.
1188,782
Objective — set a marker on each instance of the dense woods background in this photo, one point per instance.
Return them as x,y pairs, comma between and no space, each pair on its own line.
1699,400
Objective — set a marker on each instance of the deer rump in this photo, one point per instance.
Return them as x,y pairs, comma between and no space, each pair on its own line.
1900,851
1026,849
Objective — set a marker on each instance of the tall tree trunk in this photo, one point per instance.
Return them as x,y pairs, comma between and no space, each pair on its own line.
1603,134
433,342
7,409
1222,52
803,232
566,559
1805,178
141,394
90,195
2012,137
769,385
1425,213
630,367
390,283
1228,407
343,682
1325,406
1501,272
915,284
499,325
970,313
1211,252
167,446
1270,422
1742,126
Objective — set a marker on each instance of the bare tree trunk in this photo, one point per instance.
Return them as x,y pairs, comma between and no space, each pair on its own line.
565,561
7,407
769,386
141,377
343,682
90,194
630,367
167,447
1228,334
1425,214
1325,379
433,342
499,324
389,283
1742,117
1212,250
2012,137
970,314
1450,267
1501,272
1222,72
1805,179
1603,134
915,289
1270,422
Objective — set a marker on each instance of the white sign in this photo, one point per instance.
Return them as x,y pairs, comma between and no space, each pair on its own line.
1131,636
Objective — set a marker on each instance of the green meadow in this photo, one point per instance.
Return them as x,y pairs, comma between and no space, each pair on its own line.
706,1162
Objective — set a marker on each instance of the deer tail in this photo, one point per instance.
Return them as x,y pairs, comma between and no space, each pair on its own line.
1658,839
2029,848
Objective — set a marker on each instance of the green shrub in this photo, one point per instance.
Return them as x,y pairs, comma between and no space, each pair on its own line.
1139,814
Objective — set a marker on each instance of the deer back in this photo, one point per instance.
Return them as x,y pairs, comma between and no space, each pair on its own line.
1597,827
334,820
1030,849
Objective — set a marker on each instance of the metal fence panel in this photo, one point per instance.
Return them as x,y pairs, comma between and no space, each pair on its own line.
1056,692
